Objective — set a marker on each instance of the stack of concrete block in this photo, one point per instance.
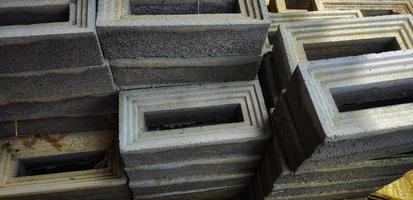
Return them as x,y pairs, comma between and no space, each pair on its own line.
192,142
174,42
76,166
368,7
51,63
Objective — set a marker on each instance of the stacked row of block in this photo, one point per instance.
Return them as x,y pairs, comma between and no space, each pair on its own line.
337,86
193,142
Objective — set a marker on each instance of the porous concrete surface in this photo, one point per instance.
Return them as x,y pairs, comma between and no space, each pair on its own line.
55,84
99,183
92,104
158,71
368,7
124,33
330,134
322,37
66,43
178,161
55,125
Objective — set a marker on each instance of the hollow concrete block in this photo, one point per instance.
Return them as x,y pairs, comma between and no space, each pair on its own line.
316,40
48,34
352,109
75,166
292,6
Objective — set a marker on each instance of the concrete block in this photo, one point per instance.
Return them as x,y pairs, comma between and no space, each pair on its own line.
316,40
176,29
55,84
158,71
55,125
292,6
194,167
368,7
344,194
174,124
141,189
76,166
354,108
91,104
48,34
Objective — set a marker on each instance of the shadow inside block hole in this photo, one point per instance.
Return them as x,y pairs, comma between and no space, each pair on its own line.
34,15
300,5
193,117
372,13
373,95
180,7
327,50
60,163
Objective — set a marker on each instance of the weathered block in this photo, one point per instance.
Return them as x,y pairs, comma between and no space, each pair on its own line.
91,104
55,84
310,41
178,140
354,108
292,6
48,34
75,166
368,7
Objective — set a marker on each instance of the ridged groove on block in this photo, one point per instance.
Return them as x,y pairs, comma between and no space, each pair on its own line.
381,7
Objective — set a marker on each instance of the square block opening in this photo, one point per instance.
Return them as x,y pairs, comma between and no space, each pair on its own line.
327,50
380,94
34,15
299,5
372,13
193,117
182,7
60,163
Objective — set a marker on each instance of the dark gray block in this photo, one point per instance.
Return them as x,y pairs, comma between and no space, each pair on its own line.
46,34
157,71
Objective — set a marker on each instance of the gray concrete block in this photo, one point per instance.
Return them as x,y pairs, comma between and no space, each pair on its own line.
55,84
352,109
269,80
157,71
316,40
75,166
175,29
194,167
141,189
368,8
57,125
92,104
46,34
193,122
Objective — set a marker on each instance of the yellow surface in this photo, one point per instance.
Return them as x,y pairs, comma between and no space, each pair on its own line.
401,189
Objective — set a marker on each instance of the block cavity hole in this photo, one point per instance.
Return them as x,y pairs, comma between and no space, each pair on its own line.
300,5
180,7
372,13
193,117
380,94
327,50
60,163
34,15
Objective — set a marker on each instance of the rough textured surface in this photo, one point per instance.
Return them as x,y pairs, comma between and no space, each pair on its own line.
46,43
375,124
130,72
93,104
179,140
368,7
303,41
97,183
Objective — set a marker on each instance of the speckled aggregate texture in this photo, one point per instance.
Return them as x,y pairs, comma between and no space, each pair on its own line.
179,142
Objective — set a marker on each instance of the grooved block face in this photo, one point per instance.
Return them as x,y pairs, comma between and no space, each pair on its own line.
181,29
61,166
167,120
358,107
340,38
369,7
47,34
